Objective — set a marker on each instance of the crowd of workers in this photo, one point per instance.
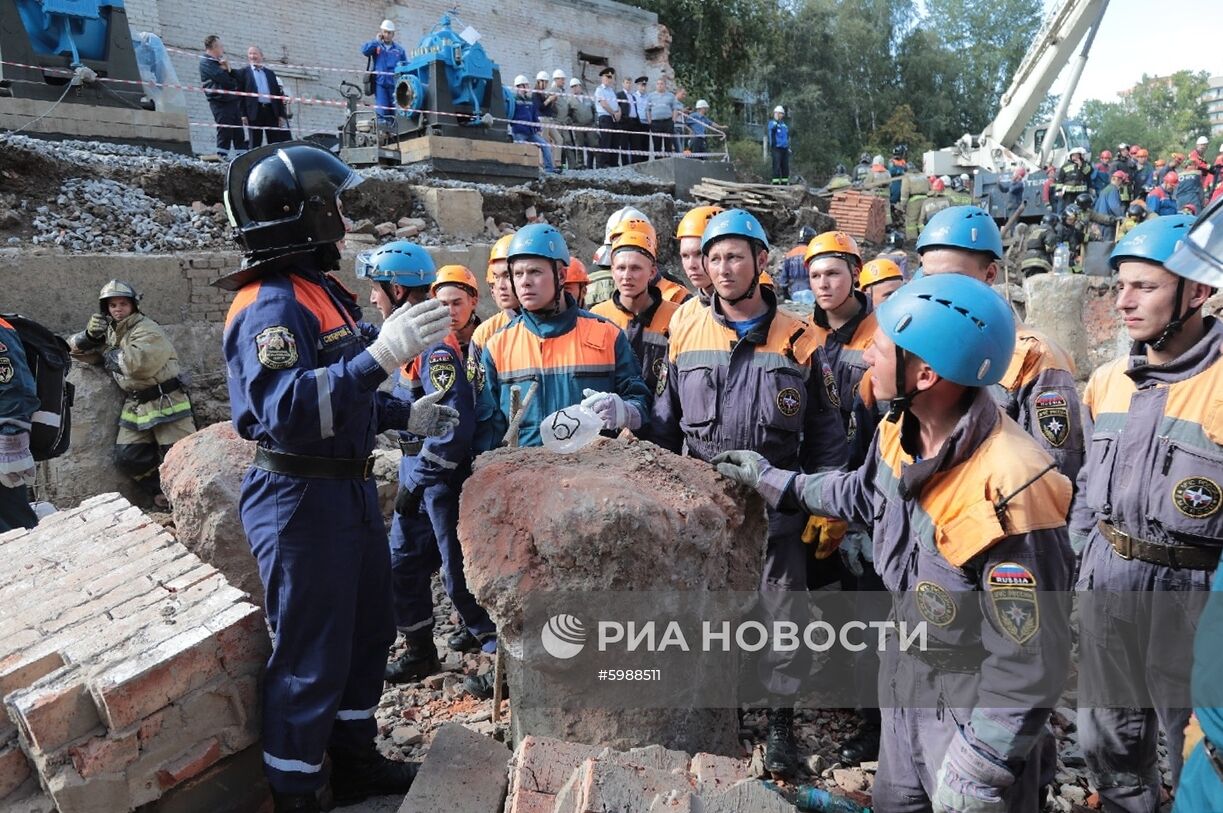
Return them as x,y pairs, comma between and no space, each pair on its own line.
910,436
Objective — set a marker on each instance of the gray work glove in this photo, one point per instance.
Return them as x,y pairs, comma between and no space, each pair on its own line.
406,335
969,782
856,552
16,462
95,328
429,418
612,410
742,466
110,360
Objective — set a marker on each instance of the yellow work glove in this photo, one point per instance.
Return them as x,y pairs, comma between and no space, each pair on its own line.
826,534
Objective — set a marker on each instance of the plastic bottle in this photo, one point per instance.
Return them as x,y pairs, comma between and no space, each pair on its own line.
1061,259
570,429
818,800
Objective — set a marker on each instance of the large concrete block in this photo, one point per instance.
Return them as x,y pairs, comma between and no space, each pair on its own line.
463,771
457,212
1055,305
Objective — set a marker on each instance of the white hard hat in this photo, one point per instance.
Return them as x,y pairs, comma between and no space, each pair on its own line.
878,159
946,179
1123,146
542,76
521,79
1202,141
558,74
701,104
619,216
779,109
964,176
574,82
387,25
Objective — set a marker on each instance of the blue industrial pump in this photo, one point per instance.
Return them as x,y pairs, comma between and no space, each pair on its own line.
60,36
449,86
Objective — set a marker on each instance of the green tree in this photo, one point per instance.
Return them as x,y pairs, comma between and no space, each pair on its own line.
1164,114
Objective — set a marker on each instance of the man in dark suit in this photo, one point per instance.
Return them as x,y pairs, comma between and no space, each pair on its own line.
266,109
216,75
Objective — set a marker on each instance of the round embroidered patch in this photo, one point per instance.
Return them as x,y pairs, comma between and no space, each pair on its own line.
1197,497
935,603
276,348
789,402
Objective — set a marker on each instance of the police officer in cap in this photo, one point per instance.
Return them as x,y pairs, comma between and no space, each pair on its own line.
304,386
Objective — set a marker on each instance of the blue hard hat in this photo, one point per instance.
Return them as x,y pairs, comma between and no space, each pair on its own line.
399,262
1152,241
733,223
956,324
539,240
969,228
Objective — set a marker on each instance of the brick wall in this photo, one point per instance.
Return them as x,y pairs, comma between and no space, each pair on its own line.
522,36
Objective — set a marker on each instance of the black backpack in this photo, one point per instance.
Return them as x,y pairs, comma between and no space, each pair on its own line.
49,362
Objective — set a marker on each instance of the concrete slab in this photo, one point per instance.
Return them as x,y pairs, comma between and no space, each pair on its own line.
686,173
463,771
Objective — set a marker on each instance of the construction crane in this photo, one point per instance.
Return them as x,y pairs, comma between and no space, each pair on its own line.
1007,142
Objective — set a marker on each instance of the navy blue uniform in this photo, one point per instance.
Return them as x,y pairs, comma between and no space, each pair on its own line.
428,538
300,382
17,404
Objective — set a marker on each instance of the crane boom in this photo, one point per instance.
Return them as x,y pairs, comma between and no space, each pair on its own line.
1051,51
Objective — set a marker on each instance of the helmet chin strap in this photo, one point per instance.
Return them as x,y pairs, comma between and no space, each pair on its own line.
1178,321
899,405
553,307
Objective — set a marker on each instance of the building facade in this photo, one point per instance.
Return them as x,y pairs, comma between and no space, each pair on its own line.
1213,97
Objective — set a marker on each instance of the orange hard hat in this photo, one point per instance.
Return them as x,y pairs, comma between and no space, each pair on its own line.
637,240
1171,177
635,224
576,272
455,275
693,224
765,279
1106,155
837,243
878,270
500,251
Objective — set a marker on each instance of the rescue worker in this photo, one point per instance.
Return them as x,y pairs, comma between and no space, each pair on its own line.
840,179
546,342
879,180
304,387
1072,178
862,169
498,278
601,283
896,168
1199,259
743,369
1135,214
1109,208
156,411
779,145
934,203
791,276
688,237
842,319
1124,163
1162,200
637,306
879,279
960,192
914,192
525,122
671,291
969,523
576,281
1037,388
1147,516
1038,246
384,55
1072,230
1013,188
1101,170
1189,191
424,529
18,403
1142,178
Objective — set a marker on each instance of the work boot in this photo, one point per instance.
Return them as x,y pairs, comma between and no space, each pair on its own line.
359,774
780,751
417,662
463,641
482,686
863,746
295,803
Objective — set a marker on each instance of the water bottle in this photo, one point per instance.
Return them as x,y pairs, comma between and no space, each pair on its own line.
570,429
818,800
1061,259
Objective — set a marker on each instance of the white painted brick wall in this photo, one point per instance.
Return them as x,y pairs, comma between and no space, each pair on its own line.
522,36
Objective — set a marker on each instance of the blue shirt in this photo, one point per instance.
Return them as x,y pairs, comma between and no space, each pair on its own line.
608,95
386,57
526,116
747,325
779,134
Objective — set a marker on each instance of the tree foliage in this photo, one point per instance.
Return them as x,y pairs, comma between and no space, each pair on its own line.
1163,114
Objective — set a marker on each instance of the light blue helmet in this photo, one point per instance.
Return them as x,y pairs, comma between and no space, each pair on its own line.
1153,241
968,228
398,262
733,223
539,240
956,324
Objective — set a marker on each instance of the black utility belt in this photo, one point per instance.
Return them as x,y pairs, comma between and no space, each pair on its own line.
327,468
966,660
1188,557
153,393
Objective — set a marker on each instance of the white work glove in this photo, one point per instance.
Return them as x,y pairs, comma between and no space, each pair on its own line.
405,336
742,466
969,782
612,410
16,462
430,419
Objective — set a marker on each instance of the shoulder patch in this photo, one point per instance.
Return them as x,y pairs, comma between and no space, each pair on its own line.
475,374
660,372
442,373
6,370
1053,417
830,384
276,348
1195,497
789,401
935,603
1012,592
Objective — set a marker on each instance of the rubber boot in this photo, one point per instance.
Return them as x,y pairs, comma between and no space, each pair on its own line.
295,803
863,746
359,774
417,662
780,750
463,641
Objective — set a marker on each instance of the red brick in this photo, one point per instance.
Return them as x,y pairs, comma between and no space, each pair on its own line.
529,801
14,769
242,637
55,715
600,785
110,754
190,764
17,672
